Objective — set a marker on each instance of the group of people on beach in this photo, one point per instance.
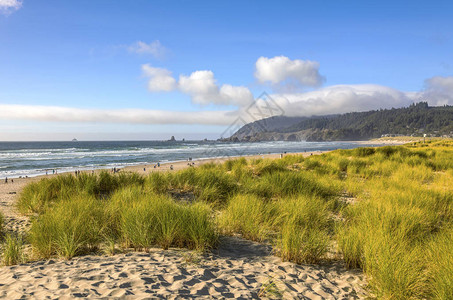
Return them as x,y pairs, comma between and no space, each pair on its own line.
54,171
114,170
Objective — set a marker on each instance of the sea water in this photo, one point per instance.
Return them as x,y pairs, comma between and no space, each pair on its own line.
37,158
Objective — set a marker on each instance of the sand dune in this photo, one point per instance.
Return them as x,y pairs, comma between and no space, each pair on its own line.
238,269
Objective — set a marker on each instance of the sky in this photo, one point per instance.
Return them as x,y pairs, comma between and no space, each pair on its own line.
144,70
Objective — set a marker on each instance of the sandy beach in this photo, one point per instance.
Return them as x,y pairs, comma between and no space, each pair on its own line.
236,269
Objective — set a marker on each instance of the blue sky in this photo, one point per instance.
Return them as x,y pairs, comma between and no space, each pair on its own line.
63,62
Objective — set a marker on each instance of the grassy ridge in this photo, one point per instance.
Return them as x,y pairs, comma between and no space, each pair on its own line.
398,228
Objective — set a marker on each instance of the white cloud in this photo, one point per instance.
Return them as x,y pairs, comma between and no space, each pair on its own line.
238,95
439,91
154,48
160,79
284,71
342,99
131,116
8,6
329,100
201,86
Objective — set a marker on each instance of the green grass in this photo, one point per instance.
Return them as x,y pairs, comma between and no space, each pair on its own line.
71,227
398,231
304,229
250,216
441,265
1,224
132,217
37,197
158,220
389,210
13,252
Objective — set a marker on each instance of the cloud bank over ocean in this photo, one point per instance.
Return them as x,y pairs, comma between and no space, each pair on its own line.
203,89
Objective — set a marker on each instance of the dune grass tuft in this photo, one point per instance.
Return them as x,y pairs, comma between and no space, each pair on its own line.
1,223
158,220
250,216
71,227
13,252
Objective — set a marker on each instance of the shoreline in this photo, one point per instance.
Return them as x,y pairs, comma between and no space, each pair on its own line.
11,190
128,166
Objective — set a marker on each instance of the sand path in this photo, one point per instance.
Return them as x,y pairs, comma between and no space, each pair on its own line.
13,221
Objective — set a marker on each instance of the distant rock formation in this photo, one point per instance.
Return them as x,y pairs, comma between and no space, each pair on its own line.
172,139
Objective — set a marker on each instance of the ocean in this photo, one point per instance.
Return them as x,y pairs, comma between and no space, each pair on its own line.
35,158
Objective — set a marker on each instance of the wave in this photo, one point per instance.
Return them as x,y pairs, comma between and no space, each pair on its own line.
34,161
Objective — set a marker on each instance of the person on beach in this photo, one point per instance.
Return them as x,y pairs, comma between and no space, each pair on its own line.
171,167
6,180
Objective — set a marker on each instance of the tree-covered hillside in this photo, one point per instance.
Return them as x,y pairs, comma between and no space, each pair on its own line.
417,119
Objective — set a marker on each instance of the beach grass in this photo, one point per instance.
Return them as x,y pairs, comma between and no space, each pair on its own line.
71,227
158,220
12,250
250,216
1,224
389,210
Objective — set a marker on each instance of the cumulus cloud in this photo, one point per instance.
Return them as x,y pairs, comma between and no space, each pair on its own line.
8,6
201,86
154,48
439,91
341,99
284,71
131,116
160,80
